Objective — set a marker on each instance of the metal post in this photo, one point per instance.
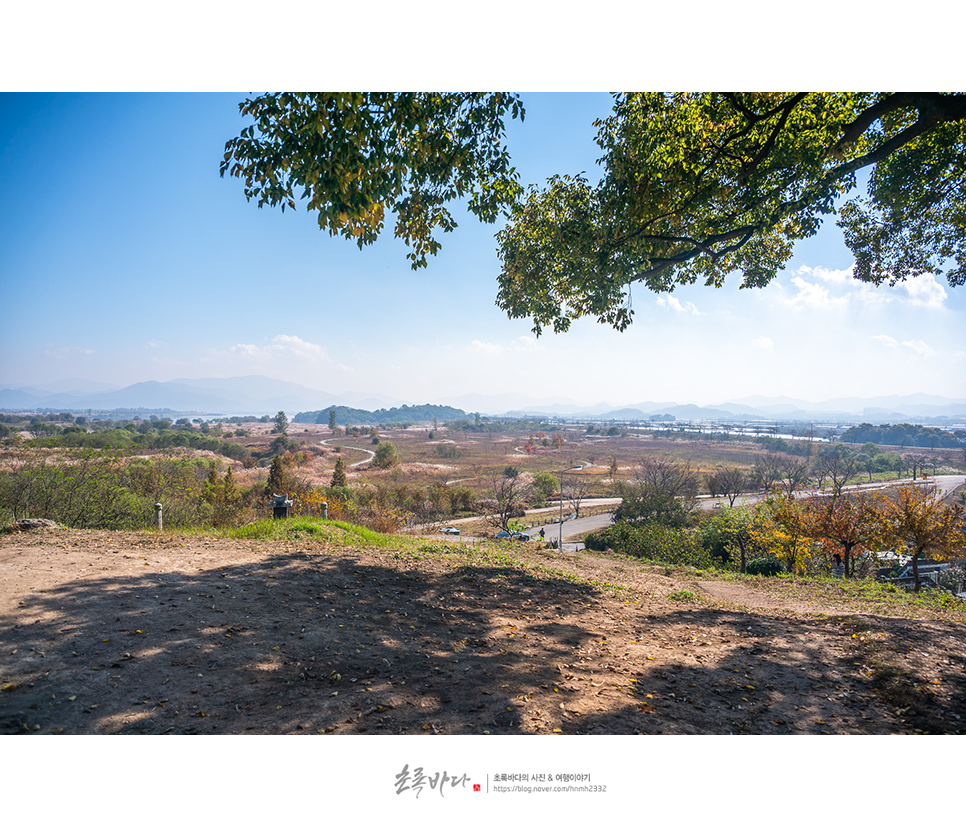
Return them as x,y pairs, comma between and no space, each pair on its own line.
157,515
560,537
568,469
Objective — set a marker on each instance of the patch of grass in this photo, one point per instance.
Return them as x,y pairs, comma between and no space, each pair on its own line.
445,549
867,595
319,530
684,596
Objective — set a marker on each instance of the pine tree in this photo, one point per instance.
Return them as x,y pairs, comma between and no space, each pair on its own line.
210,490
229,488
276,477
338,477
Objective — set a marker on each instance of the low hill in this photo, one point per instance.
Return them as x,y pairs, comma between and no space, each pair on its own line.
383,416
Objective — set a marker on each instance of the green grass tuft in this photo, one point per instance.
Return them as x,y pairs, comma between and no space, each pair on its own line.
316,529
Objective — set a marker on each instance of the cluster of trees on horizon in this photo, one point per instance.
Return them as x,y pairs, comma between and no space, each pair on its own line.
398,415
905,434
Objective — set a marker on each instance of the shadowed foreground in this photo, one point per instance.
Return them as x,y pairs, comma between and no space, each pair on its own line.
134,633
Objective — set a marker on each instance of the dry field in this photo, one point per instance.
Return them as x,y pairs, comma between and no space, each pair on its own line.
483,456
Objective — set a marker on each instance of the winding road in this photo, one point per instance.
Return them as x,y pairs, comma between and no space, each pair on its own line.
368,452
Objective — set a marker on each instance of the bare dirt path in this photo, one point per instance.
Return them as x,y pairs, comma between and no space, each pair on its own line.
151,634
370,455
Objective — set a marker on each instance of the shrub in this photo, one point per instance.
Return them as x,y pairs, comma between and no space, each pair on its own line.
386,456
765,566
651,541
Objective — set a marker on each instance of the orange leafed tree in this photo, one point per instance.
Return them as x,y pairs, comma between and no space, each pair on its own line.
919,520
843,523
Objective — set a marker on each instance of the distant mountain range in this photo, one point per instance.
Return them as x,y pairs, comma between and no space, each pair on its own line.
256,395
260,395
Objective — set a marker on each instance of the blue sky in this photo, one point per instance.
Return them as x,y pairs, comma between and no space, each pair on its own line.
125,257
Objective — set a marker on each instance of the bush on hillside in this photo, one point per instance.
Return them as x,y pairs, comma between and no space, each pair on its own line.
653,542
765,566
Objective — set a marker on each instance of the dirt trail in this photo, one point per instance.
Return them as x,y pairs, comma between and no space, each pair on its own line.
149,633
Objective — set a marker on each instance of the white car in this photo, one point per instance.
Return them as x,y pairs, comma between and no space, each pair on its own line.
452,531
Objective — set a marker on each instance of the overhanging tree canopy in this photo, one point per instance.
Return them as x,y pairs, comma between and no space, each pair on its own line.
356,155
695,186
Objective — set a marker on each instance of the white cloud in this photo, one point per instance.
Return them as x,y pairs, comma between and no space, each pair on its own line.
915,345
811,295
919,347
299,348
486,347
67,352
764,343
829,276
281,349
523,343
924,290
673,303
826,287
249,351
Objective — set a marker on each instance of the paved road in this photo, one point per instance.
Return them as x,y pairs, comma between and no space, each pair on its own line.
573,527
580,526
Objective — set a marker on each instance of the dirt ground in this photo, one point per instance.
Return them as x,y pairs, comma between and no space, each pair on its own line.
149,634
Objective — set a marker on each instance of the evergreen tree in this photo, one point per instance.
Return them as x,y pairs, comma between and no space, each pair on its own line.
338,477
230,488
210,491
276,477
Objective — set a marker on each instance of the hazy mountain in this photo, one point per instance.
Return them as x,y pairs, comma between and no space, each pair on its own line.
234,395
263,395
505,403
14,398
907,405
74,387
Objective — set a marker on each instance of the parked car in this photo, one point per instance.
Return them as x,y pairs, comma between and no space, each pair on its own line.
451,531
503,534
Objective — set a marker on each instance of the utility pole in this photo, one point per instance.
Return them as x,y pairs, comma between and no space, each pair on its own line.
560,537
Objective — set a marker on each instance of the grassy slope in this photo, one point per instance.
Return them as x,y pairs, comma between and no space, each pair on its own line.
860,594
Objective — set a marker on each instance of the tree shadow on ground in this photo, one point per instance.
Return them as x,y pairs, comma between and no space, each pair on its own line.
758,674
337,644
288,643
